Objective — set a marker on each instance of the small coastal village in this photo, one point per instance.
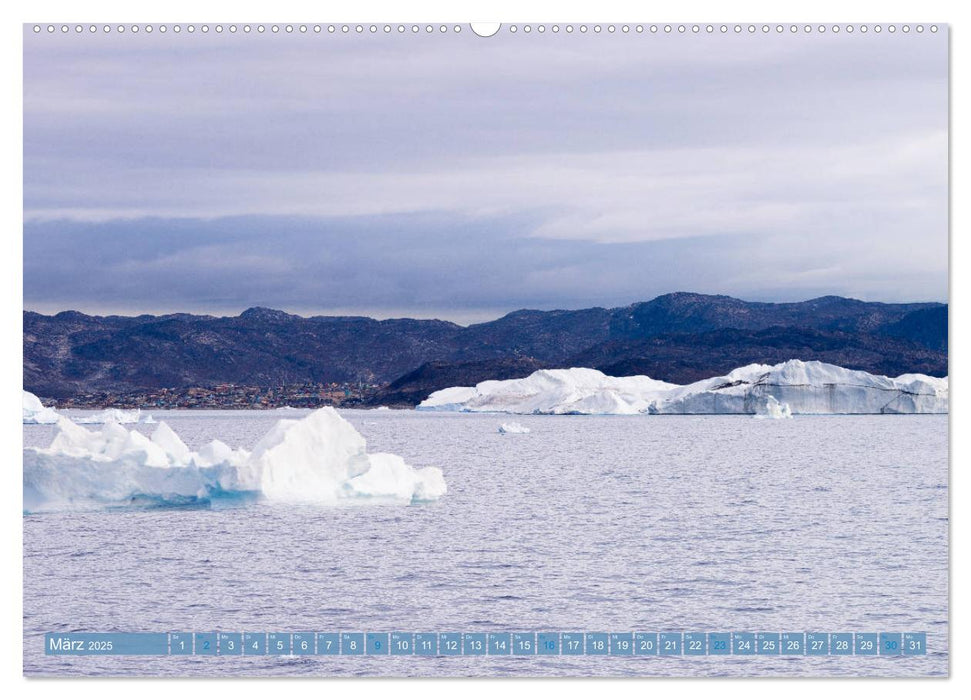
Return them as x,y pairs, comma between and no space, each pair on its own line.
229,396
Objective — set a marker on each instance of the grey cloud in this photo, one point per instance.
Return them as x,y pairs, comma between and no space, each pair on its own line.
461,174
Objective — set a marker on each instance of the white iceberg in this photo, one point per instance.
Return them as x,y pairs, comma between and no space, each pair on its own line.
513,428
552,391
319,459
809,388
322,459
805,387
36,413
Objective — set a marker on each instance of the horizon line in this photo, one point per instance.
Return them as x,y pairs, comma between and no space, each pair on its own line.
482,315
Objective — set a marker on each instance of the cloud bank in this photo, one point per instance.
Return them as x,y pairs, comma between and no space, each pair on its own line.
462,177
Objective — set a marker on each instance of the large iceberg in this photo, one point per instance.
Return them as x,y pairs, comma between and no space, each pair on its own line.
808,388
575,390
796,386
319,459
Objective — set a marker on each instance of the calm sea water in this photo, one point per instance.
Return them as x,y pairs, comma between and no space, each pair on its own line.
714,523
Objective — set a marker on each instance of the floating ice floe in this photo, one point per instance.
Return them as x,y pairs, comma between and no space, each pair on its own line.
805,387
513,428
36,413
318,459
773,409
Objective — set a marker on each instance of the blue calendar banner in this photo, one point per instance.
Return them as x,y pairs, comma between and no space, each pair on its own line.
522,644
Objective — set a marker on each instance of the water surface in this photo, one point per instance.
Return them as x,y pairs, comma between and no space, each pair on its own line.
588,523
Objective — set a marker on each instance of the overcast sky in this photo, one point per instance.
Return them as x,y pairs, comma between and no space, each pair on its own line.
461,177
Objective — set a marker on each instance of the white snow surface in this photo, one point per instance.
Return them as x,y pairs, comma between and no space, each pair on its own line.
318,459
805,387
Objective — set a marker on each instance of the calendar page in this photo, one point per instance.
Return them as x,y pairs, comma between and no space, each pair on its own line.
450,350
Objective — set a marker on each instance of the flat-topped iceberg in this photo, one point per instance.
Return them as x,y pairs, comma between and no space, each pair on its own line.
575,390
795,386
318,459
808,388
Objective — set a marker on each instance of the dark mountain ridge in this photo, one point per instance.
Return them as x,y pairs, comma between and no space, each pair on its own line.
676,337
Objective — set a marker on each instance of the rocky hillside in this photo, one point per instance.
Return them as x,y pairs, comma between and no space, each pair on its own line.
676,337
